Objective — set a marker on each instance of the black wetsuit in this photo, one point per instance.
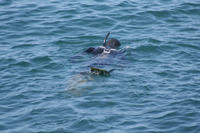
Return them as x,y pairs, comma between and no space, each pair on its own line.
100,50
107,48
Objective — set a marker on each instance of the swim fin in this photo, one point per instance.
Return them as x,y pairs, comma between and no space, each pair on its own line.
97,71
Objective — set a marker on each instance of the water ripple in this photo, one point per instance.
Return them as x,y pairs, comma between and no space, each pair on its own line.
155,87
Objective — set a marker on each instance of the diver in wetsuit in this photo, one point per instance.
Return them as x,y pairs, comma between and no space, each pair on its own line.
107,48
75,82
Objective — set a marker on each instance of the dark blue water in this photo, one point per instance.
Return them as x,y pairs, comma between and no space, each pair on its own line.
156,84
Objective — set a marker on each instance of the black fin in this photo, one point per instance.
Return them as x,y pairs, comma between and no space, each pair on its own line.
111,70
97,71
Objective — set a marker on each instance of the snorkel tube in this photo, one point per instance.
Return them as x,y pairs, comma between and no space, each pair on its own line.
104,42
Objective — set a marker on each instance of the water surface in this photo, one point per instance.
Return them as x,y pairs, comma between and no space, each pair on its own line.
155,89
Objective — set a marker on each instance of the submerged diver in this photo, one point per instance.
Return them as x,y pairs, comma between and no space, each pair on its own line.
77,83
107,48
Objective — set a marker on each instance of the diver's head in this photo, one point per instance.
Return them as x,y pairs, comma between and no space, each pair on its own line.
113,43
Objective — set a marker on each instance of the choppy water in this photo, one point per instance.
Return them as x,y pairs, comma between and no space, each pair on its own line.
155,89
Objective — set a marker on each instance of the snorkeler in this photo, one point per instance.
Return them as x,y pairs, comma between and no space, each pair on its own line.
107,48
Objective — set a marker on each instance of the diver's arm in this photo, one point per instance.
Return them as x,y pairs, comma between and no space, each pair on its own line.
89,50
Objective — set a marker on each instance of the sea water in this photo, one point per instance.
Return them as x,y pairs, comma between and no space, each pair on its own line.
156,84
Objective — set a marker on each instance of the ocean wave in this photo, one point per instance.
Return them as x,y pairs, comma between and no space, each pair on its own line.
155,85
